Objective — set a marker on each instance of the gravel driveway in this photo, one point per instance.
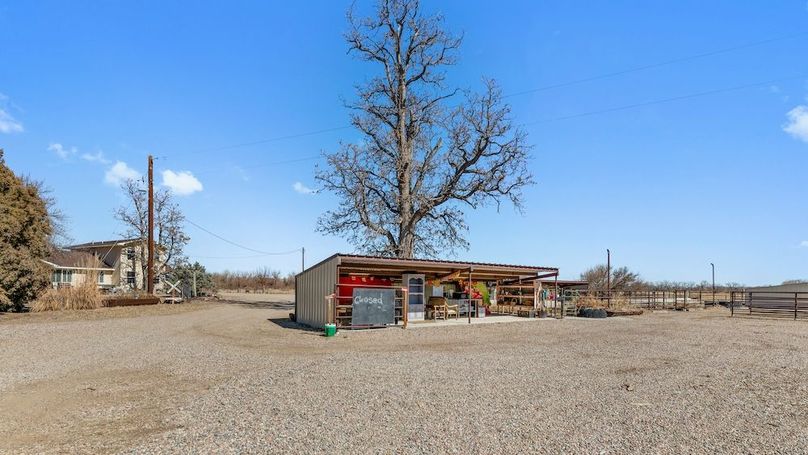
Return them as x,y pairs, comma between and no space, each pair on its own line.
229,377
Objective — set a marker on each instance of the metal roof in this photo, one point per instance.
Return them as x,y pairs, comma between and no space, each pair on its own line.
75,260
103,243
358,258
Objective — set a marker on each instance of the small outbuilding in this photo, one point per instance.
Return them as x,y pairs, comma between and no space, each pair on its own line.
356,291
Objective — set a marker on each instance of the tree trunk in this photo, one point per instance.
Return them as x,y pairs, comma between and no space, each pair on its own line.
406,228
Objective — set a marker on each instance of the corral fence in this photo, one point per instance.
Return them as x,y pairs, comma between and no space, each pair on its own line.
660,299
767,303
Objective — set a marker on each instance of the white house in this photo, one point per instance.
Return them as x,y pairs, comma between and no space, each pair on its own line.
111,263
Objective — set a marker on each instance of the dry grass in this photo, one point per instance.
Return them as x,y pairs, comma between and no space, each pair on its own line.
588,301
85,296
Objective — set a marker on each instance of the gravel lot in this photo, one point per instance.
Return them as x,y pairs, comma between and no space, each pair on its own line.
233,377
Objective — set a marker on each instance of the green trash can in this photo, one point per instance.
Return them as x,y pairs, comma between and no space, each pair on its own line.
330,330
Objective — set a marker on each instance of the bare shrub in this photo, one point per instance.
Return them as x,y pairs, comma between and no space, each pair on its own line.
591,301
261,280
85,296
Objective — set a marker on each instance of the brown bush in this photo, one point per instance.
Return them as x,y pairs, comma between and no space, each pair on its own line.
85,296
590,301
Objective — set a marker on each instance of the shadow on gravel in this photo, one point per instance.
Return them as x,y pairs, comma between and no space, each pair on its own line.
267,305
286,323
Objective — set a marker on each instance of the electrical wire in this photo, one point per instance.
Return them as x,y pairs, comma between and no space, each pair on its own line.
262,253
533,90
664,100
656,65
274,163
585,114
229,257
275,139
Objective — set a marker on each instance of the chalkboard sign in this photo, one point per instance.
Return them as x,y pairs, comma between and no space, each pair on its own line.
373,306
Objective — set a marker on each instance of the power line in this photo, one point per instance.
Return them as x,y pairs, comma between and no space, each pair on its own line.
664,100
656,65
274,163
275,139
229,257
589,113
262,253
538,89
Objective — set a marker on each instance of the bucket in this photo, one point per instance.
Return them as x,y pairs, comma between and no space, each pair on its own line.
330,330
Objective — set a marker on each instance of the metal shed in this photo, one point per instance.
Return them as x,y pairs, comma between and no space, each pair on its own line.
313,285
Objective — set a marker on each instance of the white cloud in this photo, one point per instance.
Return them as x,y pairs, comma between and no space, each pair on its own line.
804,244
182,183
61,151
797,125
302,189
119,173
97,157
9,124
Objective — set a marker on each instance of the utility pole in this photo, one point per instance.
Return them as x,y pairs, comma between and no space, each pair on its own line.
302,258
713,267
609,277
150,273
194,283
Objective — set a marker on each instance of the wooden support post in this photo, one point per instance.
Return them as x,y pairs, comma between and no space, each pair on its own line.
795,306
468,308
406,307
732,303
555,297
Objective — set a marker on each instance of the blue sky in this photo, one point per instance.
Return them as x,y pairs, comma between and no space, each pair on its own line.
89,89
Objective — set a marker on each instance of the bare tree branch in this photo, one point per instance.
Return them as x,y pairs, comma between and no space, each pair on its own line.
170,238
401,188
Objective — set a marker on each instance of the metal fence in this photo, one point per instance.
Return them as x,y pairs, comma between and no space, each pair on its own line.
674,299
767,303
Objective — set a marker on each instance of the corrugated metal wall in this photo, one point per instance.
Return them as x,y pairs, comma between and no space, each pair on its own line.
311,287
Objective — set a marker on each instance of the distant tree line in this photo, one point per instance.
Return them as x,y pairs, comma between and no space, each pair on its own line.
623,279
259,280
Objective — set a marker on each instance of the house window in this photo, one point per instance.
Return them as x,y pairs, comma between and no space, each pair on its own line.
100,277
130,277
130,253
62,276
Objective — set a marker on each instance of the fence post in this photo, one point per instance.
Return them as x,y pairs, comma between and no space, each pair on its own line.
795,306
731,303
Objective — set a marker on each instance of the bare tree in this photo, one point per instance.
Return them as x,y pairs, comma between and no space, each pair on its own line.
60,235
622,279
169,236
424,156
